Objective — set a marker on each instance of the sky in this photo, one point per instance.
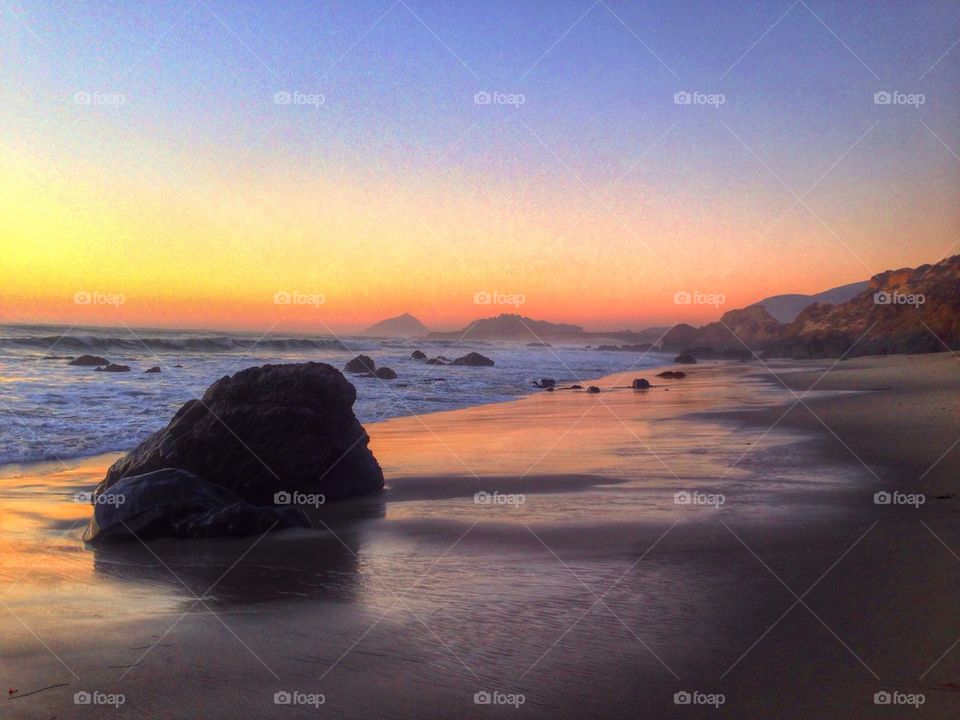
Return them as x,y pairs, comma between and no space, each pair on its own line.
324,165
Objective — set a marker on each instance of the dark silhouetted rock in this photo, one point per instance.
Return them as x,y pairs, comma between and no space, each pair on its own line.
576,387
685,358
545,383
385,373
264,430
641,384
593,389
176,503
437,361
154,369
672,374
89,361
418,355
473,360
361,364
113,367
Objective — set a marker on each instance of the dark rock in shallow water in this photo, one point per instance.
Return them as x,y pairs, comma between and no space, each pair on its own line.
437,361
385,373
418,355
593,389
361,364
545,383
641,384
176,503
265,430
672,374
154,369
89,361
473,360
112,367
685,358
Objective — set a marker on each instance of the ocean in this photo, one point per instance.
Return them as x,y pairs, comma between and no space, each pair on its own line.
50,410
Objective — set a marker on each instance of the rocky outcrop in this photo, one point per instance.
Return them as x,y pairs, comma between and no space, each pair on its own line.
473,359
418,355
672,374
89,361
545,383
154,369
176,503
113,367
641,384
264,430
361,364
385,373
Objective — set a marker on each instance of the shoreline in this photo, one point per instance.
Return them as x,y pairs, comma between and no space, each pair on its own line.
687,593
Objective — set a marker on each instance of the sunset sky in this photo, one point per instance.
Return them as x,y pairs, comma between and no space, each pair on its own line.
144,154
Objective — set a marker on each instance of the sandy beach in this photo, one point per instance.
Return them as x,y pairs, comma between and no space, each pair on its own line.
572,555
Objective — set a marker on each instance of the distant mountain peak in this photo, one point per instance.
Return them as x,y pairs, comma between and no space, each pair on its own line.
404,325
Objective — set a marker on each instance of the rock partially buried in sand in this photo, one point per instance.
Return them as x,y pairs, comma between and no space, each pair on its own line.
641,384
593,389
176,503
89,361
361,364
154,369
112,367
263,431
418,355
385,373
685,358
473,360
672,374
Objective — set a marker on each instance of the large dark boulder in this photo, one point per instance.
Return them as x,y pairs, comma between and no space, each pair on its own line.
385,373
264,430
89,361
418,355
641,384
113,367
176,503
473,360
361,364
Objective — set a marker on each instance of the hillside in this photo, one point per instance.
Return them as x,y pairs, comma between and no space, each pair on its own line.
405,325
786,308
512,327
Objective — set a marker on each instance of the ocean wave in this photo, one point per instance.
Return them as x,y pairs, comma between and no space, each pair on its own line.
211,343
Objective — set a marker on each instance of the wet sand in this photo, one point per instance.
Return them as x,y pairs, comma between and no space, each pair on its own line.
597,595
